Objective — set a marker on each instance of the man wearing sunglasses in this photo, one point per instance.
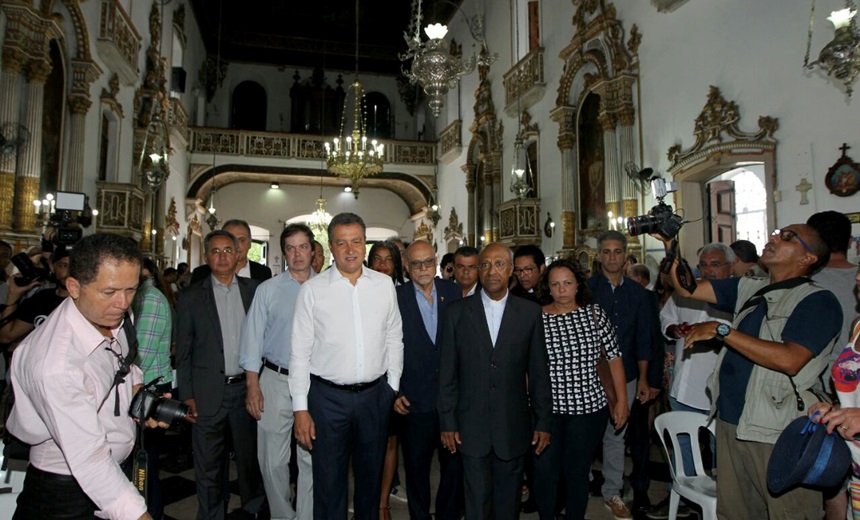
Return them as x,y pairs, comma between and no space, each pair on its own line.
780,340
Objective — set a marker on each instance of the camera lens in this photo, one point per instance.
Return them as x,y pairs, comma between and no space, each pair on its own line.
169,410
642,224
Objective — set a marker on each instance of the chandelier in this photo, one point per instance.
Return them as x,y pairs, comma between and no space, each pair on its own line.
434,66
841,57
520,186
153,164
352,156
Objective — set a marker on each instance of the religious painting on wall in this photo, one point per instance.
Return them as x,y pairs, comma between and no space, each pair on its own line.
843,178
592,187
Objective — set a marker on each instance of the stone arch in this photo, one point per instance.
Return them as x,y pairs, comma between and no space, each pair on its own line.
82,37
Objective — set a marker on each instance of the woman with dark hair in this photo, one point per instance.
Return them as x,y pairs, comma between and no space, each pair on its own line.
384,257
578,334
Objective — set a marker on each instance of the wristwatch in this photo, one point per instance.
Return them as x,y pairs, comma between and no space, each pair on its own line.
723,330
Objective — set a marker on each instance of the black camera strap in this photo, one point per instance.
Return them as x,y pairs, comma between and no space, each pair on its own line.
124,362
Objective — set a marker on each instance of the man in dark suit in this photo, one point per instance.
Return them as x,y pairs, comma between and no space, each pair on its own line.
422,303
493,375
209,321
244,267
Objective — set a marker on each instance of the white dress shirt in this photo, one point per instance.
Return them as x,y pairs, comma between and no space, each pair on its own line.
345,333
693,366
494,309
64,408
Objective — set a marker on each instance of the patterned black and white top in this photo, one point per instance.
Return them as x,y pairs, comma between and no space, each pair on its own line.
573,342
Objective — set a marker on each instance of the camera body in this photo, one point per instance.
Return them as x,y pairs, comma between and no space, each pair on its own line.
72,213
30,271
147,404
661,219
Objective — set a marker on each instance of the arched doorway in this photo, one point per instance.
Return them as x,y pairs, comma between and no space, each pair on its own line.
249,107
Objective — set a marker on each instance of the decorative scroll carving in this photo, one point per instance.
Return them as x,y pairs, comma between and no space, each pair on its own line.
171,225
211,75
423,232
454,229
720,118
82,36
109,94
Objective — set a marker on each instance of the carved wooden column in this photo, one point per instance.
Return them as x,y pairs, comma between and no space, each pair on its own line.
626,118
471,223
78,126
84,73
493,169
569,178
610,163
10,107
27,182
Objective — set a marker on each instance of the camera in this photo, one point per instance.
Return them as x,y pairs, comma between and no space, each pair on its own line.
72,213
661,219
149,405
30,271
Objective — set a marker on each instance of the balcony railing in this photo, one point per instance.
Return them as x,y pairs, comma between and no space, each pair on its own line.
118,43
297,146
524,83
451,140
177,120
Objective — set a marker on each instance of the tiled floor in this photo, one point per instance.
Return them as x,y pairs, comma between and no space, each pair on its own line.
178,481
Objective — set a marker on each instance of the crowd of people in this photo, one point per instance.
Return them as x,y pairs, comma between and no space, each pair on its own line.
510,370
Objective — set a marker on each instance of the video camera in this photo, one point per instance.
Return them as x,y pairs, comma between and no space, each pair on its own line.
661,219
72,213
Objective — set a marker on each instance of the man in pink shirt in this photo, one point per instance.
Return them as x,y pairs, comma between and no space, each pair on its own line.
66,404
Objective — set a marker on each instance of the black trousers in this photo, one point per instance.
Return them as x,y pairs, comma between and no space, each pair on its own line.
419,440
575,439
209,440
639,439
49,496
492,487
348,424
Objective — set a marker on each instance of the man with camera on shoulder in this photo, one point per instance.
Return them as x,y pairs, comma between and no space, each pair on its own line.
73,383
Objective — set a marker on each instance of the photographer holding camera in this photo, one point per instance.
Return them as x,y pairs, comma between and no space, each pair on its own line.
21,316
74,383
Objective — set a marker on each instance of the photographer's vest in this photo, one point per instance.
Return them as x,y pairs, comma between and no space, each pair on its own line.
772,401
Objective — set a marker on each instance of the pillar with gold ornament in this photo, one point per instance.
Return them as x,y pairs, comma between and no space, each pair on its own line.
569,189
27,181
610,162
10,108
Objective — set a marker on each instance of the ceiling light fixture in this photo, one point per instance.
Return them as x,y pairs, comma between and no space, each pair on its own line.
435,66
840,58
520,166
353,156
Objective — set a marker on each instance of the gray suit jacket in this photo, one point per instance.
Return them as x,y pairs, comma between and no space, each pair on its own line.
199,344
489,394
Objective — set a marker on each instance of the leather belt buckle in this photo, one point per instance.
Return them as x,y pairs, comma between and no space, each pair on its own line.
276,368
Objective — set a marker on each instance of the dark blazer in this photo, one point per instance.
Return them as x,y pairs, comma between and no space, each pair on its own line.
488,394
421,354
259,272
200,346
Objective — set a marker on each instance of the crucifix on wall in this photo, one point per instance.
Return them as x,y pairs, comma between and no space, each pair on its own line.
803,187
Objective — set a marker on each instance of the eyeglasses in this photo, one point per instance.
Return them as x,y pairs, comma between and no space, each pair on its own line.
500,265
428,263
527,270
216,251
712,265
787,234
376,259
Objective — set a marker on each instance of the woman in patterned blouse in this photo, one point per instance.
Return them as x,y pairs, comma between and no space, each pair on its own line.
578,333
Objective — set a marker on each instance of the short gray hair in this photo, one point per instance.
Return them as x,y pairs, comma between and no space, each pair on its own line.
612,235
722,248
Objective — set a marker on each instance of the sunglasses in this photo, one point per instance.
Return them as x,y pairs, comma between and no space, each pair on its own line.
786,235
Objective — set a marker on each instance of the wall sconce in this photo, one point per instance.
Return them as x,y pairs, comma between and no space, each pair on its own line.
839,58
549,226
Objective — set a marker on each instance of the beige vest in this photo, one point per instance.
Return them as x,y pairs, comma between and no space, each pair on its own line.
771,402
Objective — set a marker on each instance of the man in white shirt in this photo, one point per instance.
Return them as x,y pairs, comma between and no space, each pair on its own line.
264,355
345,366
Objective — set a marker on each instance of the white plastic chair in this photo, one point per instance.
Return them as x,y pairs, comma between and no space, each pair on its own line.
699,488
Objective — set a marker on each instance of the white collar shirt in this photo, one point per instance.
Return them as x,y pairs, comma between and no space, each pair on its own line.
494,310
345,333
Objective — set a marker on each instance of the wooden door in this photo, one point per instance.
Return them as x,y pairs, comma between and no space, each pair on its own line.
722,211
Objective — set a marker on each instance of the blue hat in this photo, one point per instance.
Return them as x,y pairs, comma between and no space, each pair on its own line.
806,455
